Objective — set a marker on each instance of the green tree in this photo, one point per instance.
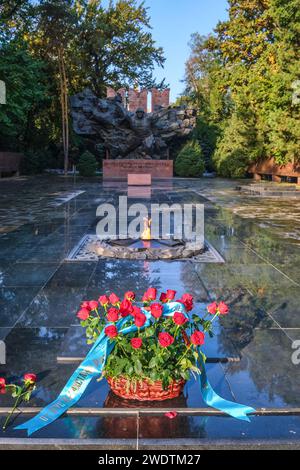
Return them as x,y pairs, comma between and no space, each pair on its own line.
26,85
203,91
81,43
56,27
237,146
243,78
115,45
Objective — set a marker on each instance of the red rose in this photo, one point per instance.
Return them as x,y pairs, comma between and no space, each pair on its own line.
83,314
2,384
85,304
126,308
103,299
223,308
135,311
156,310
136,343
165,339
179,318
187,300
197,338
170,295
163,297
114,299
30,378
140,320
212,308
93,304
150,294
129,295
111,331
113,314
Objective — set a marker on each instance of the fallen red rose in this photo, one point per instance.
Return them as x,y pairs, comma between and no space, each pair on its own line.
171,414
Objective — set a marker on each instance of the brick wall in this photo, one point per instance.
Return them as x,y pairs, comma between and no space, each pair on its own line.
139,99
111,93
160,98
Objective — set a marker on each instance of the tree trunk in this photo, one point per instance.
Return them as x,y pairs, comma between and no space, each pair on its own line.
64,108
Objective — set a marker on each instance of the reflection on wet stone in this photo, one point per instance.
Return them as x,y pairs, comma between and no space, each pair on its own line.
44,218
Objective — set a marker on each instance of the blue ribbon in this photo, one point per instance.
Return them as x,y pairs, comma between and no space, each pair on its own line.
93,365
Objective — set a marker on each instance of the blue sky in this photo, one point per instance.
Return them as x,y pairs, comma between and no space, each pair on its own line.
173,22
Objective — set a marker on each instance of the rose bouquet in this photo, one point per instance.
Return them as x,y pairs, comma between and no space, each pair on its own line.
145,350
154,344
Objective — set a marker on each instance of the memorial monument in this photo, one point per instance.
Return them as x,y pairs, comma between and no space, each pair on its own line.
135,141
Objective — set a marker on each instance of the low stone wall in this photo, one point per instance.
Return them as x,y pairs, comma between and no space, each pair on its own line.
10,162
269,167
105,250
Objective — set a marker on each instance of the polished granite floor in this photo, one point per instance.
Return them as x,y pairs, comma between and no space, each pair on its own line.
43,218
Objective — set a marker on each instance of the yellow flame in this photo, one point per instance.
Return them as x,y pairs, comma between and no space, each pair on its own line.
146,234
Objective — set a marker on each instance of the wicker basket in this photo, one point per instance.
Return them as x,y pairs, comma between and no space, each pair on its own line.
144,390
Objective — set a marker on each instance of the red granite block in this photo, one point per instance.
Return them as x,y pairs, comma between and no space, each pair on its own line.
139,179
121,168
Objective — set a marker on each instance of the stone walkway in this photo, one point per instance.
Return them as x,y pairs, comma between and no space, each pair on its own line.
42,219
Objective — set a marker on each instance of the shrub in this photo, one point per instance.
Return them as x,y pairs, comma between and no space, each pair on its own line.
87,164
35,161
189,161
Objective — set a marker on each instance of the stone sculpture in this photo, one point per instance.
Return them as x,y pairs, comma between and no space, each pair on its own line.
125,134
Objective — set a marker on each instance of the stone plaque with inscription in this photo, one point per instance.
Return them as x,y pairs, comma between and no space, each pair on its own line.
121,168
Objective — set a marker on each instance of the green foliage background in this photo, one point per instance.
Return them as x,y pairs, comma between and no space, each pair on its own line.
99,47
242,79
